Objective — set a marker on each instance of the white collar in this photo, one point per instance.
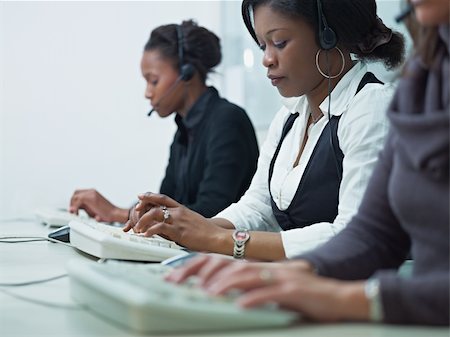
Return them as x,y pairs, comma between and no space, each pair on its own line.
340,96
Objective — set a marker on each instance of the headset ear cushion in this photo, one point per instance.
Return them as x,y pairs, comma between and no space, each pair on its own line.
329,40
187,72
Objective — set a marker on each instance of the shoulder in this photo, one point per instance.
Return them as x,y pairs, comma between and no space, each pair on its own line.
373,92
370,103
225,110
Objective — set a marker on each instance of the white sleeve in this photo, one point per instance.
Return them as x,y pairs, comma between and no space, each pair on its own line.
254,211
361,132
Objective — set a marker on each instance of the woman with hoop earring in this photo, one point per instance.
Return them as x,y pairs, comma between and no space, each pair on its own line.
323,143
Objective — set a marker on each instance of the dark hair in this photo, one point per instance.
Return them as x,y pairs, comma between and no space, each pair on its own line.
355,22
201,47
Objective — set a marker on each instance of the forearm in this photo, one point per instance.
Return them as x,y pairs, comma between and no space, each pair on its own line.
221,222
121,214
352,302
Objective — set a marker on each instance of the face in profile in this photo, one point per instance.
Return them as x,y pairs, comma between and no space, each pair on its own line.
289,47
432,12
160,75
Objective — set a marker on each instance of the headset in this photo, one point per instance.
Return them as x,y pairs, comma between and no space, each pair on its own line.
187,70
327,37
327,40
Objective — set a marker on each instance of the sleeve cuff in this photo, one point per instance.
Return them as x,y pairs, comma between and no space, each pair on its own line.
301,240
372,292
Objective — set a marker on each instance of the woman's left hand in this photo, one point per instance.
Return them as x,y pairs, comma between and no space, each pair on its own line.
176,222
292,285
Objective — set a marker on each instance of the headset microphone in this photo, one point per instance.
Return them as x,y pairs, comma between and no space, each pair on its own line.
167,93
187,70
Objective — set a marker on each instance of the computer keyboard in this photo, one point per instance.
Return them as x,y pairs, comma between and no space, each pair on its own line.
58,217
137,297
110,242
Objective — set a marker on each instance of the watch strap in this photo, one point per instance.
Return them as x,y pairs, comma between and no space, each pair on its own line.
240,237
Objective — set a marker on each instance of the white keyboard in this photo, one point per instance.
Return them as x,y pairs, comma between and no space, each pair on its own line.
110,242
136,296
58,218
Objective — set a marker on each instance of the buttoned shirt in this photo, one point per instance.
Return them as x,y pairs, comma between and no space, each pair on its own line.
361,132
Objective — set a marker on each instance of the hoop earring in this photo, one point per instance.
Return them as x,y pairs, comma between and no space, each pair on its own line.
320,70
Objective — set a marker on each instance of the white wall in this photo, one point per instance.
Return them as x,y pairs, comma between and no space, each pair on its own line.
2,124
73,112
72,106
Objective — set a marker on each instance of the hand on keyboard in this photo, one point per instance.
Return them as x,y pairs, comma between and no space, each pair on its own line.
97,206
136,212
109,242
58,217
177,223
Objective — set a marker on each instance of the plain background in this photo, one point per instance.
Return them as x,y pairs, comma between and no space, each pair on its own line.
72,106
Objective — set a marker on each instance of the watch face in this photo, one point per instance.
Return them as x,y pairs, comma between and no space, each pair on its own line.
241,236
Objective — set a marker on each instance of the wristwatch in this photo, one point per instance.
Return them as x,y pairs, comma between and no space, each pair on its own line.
240,237
372,292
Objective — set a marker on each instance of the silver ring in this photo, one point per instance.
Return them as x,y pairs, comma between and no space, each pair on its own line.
266,276
166,213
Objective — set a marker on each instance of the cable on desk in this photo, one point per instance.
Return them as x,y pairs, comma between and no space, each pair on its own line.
28,283
44,303
17,219
22,239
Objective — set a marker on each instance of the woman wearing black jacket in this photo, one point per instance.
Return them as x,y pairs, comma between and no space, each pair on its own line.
214,152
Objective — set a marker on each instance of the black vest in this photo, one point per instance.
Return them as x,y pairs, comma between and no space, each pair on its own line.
317,196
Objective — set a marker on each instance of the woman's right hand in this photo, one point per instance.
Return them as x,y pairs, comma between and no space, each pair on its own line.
137,211
97,206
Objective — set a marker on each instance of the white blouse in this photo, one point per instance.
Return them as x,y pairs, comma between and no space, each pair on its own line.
361,132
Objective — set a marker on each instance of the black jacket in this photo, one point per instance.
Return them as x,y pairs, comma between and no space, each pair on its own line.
213,156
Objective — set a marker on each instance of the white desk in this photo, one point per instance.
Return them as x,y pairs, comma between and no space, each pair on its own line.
39,260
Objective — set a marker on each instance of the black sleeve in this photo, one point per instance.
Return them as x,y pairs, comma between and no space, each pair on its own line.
231,158
168,183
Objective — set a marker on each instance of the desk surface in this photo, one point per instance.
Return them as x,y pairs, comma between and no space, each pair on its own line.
22,312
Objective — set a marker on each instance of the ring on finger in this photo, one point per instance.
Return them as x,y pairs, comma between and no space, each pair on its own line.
166,213
266,276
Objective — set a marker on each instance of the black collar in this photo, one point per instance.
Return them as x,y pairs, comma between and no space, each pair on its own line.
195,115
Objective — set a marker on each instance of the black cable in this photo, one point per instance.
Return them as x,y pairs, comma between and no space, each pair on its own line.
18,240
329,117
44,303
29,283
17,220
22,239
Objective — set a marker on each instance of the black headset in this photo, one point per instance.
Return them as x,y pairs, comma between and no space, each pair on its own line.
327,41
187,70
327,37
